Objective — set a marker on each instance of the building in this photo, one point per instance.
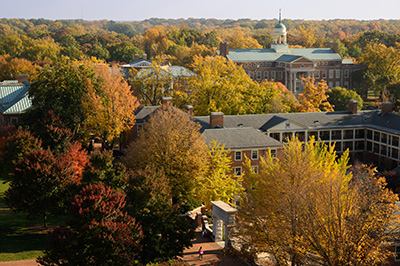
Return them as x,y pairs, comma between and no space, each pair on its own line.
289,65
14,100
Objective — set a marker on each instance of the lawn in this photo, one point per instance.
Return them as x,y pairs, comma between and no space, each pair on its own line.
20,238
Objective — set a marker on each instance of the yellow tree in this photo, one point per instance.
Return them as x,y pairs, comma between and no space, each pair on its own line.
304,37
219,182
110,105
314,97
306,209
171,141
239,41
155,41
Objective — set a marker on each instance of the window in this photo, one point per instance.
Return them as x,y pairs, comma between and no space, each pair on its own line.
258,75
280,75
139,127
14,121
265,74
337,84
272,75
346,73
346,84
254,155
330,84
238,171
317,74
324,74
331,74
238,155
337,74
273,153
254,168
251,74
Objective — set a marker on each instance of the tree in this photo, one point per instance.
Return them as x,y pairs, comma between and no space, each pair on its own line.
109,106
61,88
99,232
42,183
339,98
123,52
153,83
305,209
155,41
383,66
149,200
314,97
171,141
14,150
219,182
239,41
11,67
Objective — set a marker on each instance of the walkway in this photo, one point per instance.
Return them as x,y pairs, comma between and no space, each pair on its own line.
211,255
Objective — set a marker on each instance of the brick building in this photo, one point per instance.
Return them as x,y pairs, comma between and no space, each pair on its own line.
288,65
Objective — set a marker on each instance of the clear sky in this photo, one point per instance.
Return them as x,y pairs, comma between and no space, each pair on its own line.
136,10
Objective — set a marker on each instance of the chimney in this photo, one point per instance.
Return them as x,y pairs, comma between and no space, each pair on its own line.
216,119
166,102
223,49
334,46
353,106
144,56
387,107
22,77
189,110
136,57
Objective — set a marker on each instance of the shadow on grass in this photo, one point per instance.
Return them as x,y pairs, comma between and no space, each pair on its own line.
21,238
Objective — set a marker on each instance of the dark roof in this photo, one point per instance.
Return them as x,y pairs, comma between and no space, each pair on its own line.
240,138
143,113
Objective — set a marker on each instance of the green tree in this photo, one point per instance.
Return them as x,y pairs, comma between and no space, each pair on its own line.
306,209
171,141
149,200
99,232
123,52
339,98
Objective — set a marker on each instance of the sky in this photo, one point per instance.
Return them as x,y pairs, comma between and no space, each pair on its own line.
135,10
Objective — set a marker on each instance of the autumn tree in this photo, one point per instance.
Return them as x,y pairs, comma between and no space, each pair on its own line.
153,83
314,97
155,41
149,200
219,181
306,209
61,88
238,40
109,105
14,149
99,232
43,183
339,98
171,141
383,66
10,68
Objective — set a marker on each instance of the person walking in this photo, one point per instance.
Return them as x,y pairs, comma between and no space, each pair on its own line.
201,251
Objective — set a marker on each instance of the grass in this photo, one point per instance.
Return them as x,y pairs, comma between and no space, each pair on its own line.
20,238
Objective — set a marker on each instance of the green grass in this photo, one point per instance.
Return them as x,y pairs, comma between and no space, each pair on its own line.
20,238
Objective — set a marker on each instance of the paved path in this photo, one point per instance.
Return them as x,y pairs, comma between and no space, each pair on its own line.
190,255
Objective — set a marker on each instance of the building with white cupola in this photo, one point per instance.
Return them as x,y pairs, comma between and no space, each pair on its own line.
288,65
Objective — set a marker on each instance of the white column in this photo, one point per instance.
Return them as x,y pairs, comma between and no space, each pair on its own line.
217,229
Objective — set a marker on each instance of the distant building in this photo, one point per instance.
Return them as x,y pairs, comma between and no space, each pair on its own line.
288,65
14,100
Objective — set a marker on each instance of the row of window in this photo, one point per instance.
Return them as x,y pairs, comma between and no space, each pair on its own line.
270,75
238,170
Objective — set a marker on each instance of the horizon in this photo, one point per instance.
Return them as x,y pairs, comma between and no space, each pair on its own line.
119,10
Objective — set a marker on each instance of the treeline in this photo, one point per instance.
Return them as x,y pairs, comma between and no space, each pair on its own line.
41,40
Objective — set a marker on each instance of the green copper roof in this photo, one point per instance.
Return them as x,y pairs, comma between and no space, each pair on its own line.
280,26
14,97
314,54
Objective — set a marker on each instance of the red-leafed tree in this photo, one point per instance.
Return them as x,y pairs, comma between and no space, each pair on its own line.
14,149
44,183
99,232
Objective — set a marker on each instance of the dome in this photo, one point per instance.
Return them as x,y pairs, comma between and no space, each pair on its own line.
280,26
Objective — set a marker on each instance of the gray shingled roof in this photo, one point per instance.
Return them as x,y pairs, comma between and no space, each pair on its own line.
240,138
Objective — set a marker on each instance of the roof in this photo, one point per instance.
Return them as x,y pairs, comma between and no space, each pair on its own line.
240,138
314,54
143,114
280,26
140,63
347,61
14,97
